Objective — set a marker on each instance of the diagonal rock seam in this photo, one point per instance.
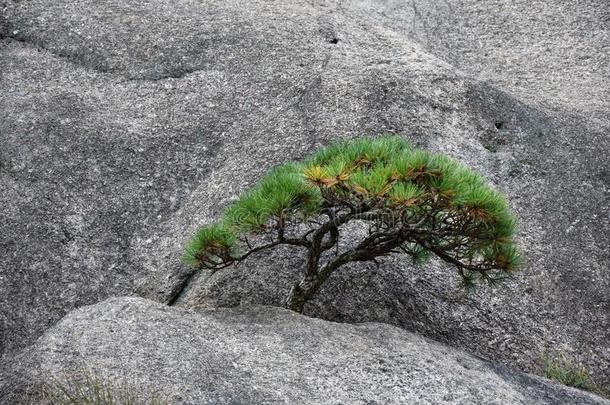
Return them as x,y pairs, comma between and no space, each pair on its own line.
179,74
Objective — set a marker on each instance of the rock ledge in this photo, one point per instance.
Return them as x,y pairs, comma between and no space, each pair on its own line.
265,355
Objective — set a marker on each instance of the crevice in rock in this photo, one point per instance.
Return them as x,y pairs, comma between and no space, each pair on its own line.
179,289
178,74
60,55
169,75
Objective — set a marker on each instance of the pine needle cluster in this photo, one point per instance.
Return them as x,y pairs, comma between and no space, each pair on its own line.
413,201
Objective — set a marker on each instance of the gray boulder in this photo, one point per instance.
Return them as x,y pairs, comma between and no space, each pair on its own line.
126,125
267,355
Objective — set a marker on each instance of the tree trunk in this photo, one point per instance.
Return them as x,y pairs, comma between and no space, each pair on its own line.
313,280
302,292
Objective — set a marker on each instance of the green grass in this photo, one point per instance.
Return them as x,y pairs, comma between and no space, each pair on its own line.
568,373
90,389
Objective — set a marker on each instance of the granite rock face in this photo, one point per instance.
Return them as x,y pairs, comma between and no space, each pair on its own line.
125,126
264,355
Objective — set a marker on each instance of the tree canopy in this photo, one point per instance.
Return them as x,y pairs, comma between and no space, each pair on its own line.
413,201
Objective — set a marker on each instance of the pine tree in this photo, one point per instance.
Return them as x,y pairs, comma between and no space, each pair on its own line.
412,202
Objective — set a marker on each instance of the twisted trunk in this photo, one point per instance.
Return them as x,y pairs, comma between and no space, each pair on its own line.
309,286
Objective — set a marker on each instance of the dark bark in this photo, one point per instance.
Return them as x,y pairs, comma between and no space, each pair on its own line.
374,246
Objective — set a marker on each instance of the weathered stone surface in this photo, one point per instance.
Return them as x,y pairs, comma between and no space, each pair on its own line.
256,355
124,126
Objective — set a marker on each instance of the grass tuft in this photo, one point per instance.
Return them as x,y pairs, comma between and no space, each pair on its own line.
90,389
568,373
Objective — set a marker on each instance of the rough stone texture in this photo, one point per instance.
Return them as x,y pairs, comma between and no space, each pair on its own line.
256,355
126,125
